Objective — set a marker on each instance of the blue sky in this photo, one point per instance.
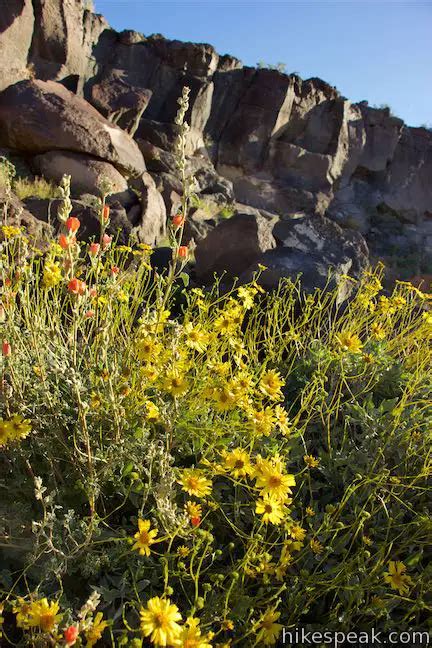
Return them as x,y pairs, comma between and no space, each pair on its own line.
369,49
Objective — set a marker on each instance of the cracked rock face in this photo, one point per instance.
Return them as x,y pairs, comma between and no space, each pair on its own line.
274,143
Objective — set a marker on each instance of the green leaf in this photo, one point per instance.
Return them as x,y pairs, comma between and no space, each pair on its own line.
185,278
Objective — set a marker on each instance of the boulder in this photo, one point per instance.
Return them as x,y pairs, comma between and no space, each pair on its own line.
234,245
64,39
119,101
41,116
170,187
150,228
315,248
86,172
16,31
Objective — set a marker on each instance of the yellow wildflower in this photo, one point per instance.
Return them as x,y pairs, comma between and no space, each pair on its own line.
193,509
44,615
270,385
311,462
195,337
349,342
183,551
95,632
267,629
21,609
148,348
195,483
145,537
297,532
190,636
4,433
224,399
175,384
272,510
396,577
10,231
316,546
378,331
271,481
282,420
386,306
159,622
52,274
14,429
238,463
262,421
152,411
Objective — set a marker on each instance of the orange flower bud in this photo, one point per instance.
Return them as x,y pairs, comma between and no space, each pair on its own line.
106,241
63,241
183,251
178,220
115,270
6,348
73,224
89,314
76,286
105,213
71,635
93,249
195,521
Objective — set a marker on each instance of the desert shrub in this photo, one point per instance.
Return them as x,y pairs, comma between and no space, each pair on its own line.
37,187
24,187
205,477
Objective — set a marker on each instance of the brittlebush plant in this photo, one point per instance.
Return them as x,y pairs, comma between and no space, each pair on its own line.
202,468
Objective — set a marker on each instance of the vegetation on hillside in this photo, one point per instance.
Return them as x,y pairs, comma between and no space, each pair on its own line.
204,471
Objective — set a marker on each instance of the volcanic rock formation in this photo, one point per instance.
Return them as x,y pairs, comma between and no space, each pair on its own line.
289,172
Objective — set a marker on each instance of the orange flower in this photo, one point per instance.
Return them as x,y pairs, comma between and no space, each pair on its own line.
178,220
71,635
115,270
6,348
89,314
183,251
73,224
93,249
76,286
105,213
195,521
64,241
106,241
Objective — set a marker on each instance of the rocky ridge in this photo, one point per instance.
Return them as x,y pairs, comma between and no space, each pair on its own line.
290,173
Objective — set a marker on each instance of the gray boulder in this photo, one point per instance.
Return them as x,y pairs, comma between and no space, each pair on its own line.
41,116
234,245
85,171
315,248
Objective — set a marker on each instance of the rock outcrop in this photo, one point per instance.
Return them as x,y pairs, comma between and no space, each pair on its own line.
292,151
41,116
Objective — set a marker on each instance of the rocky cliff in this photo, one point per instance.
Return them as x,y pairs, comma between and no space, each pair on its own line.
289,172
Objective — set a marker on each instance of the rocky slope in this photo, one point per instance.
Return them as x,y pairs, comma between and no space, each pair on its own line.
308,179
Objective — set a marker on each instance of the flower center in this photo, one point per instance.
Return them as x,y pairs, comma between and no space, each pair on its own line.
193,483
46,621
144,537
275,481
160,619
